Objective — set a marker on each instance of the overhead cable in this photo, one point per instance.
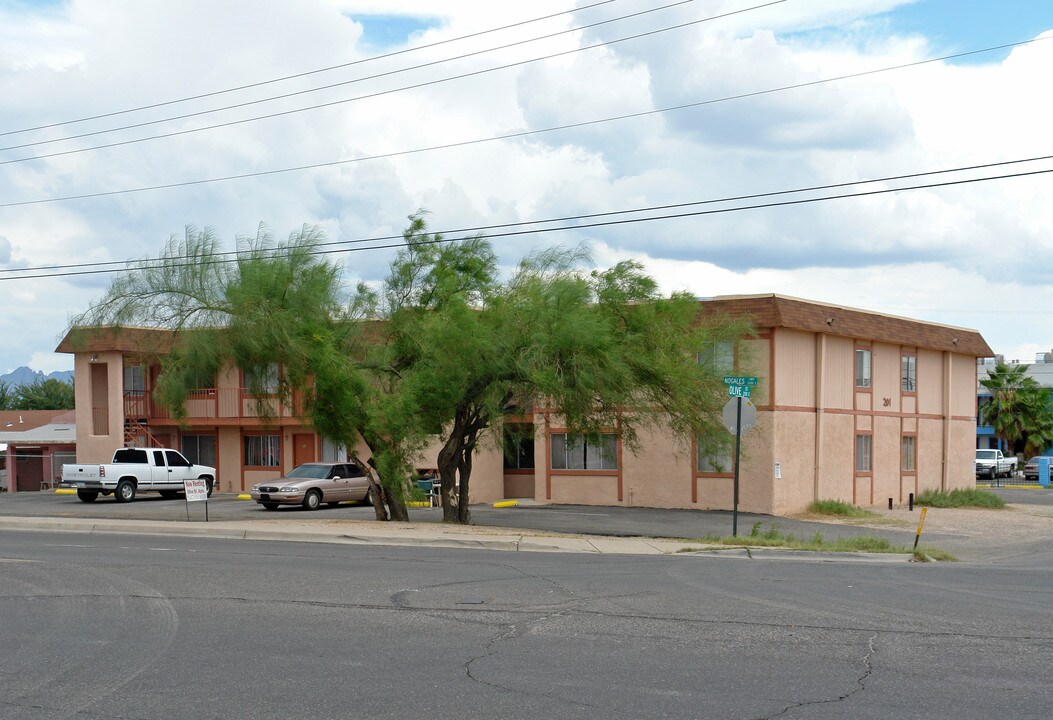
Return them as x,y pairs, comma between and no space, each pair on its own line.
582,226
381,93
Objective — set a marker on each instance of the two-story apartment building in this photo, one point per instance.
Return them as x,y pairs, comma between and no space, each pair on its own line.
852,405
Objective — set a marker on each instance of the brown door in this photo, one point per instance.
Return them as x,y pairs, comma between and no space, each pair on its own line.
303,448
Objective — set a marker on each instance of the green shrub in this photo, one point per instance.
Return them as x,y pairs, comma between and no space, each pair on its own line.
839,508
960,498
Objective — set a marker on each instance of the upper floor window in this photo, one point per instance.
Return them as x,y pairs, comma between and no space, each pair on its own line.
134,381
863,372
719,356
909,373
576,452
263,379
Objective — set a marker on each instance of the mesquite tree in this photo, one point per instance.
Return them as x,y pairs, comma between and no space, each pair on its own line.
603,349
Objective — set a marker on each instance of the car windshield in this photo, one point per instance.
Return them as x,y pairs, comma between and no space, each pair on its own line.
317,472
985,454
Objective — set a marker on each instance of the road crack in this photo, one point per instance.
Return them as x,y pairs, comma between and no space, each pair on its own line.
868,669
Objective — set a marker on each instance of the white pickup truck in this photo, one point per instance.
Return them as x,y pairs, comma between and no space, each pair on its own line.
993,464
135,470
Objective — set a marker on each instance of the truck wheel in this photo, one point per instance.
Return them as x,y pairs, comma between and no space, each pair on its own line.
312,500
125,491
87,495
210,484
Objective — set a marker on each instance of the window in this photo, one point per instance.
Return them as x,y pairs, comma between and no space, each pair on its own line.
909,373
262,451
131,457
863,368
718,356
715,456
134,382
263,380
908,456
200,449
864,461
519,448
175,459
576,452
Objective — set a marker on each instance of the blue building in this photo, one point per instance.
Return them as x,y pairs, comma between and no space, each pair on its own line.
1041,370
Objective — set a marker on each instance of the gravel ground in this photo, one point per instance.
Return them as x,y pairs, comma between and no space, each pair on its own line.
973,533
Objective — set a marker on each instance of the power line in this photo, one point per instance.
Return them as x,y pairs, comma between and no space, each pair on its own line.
515,135
382,93
607,223
388,73
306,73
589,216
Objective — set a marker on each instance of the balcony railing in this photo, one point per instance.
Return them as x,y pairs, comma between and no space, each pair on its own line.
213,403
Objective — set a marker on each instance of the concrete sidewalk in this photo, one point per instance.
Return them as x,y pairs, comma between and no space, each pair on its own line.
351,532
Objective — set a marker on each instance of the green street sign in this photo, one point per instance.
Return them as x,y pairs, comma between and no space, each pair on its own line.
740,380
739,391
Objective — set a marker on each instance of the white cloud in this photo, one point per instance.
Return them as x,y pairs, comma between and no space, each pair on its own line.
968,255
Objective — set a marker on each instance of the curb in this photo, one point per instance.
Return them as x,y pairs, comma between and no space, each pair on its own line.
509,542
506,504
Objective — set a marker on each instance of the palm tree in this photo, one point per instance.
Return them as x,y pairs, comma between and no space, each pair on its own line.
1018,411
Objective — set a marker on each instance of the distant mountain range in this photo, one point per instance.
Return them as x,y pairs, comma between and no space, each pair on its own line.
28,376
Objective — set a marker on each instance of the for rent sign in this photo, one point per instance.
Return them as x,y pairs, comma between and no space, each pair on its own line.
196,489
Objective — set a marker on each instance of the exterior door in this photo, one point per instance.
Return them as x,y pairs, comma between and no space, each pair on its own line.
303,448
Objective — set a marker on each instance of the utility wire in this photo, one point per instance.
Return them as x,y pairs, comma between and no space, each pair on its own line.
589,216
382,93
515,135
261,83
388,73
698,213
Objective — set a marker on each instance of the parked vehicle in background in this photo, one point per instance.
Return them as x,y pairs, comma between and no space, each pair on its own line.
1031,467
312,484
993,464
136,470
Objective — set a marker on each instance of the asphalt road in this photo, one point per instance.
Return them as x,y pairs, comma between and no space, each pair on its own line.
104,627
592,520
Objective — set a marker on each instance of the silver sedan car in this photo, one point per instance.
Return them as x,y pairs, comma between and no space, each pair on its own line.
312,484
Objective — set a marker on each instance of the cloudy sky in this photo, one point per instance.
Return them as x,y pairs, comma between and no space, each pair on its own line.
977,255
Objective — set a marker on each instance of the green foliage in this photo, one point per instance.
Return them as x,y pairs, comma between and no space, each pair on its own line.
453,349
1019,409
7,395
279,305
838,508
773,537
960,498
48,394
602,348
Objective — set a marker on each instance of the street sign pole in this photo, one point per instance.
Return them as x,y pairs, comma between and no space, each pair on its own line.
738,439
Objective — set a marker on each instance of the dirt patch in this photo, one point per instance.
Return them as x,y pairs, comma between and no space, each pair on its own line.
1018,522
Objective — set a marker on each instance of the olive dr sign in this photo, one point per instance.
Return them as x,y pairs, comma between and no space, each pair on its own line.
740,385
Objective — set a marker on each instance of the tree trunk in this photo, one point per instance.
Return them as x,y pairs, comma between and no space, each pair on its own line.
448,463
377,496
397,508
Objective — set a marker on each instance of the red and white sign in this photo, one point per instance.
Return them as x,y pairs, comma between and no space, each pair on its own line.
196,489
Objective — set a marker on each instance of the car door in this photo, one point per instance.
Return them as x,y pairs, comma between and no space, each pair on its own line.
341,483
178,467
158,471
357,483
333,487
